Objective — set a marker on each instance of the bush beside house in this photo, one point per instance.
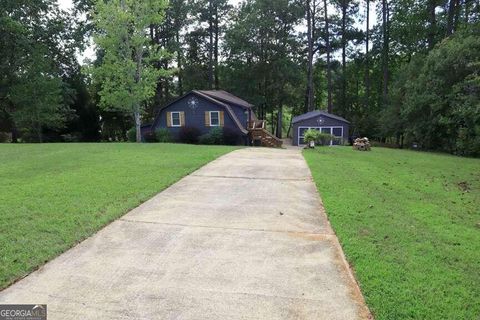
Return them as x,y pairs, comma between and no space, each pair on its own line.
191,135
163,135
322,139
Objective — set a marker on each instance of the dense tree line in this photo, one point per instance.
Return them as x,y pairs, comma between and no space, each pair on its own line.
411,78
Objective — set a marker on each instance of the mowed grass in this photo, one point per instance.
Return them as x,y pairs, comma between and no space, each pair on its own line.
54,195
409,223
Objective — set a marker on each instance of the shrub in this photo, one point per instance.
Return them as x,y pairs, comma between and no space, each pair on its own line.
205,139
215,136
321,139
311,135
468,144
70,138
324,139
231,137
189,135
132,135
4,137
149,137
163,135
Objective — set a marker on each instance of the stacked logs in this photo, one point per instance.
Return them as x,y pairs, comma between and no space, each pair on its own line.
361,144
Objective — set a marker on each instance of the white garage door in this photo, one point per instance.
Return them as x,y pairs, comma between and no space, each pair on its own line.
334,131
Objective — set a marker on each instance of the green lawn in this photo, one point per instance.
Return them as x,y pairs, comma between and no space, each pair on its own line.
409,223
54,195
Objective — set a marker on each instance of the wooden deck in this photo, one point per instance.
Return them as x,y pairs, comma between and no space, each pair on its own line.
258,134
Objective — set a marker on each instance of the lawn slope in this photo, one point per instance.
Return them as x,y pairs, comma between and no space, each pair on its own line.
409,223
54,195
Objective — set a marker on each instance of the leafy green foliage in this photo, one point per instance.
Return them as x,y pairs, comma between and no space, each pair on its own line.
262,50
215,136
126,74
132,134
163,135
324,139
4,137
436,100
205,139
320,138
232,137
150,137
37,47
47,111
48,203
189,135
311,135
409,225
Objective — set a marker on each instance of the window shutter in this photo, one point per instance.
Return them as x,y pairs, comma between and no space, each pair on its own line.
169,119
182,119
221,119
207,119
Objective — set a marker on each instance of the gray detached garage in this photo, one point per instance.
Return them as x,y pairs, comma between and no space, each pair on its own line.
322,121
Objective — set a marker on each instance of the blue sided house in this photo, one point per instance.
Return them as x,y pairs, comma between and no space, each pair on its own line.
204,110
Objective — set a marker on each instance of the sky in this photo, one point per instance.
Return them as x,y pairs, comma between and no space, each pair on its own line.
89,53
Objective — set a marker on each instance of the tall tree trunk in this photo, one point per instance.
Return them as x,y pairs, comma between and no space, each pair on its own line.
280,121
344,54
39,127
138,124
452,4
273,121
152,33
210,47
167,83
217,31
433,23
289,125
385,52
458,7
309,91
367,57
136,106
13,126
467,11
14,134
39,133
37,124
329,68
179,64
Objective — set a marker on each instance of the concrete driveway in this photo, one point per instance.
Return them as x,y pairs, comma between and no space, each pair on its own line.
244,237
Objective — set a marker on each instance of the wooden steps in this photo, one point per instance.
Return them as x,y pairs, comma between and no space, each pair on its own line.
259,135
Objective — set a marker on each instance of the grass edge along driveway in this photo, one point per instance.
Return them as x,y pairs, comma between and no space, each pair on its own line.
409,224
53,196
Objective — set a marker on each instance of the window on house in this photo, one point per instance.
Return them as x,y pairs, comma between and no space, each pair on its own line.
176,119
214,118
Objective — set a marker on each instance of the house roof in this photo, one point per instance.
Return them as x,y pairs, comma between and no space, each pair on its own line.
226,97
226,106
317,113
208,95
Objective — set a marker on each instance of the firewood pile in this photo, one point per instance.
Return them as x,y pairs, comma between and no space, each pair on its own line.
361,144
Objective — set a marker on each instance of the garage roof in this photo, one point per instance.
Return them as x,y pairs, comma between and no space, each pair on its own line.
316,113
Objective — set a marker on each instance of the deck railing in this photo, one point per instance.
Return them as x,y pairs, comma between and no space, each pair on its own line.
257,132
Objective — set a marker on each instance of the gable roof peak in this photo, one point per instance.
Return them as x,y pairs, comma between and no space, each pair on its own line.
316,113
226,97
